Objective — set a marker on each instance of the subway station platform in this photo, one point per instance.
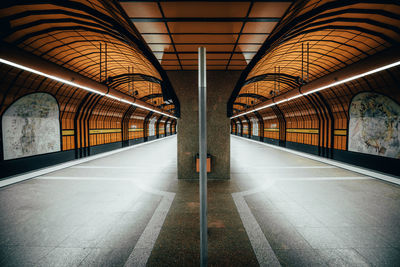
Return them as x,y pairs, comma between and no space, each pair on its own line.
129,209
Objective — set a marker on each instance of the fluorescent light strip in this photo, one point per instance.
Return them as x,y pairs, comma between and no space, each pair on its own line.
397,63
22,67
49,76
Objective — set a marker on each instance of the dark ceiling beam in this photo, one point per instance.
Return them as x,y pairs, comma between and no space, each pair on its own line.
290,80
151,96
193,19
115,81
256,96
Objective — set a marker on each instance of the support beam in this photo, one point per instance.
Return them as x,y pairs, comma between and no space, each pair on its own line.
219,88
203,155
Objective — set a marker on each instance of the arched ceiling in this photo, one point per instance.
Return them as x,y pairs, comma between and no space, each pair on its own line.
93,38
313,39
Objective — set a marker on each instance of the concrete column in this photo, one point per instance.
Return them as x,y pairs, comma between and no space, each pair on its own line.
220,85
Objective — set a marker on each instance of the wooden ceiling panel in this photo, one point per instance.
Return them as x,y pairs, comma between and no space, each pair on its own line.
189,61
205,9
209,48
269,9
161,47
238,62
192,56
151,27
205,27
236,67
169,56
170,63
141,9
259,27
247,48
238,56
217,62
253,38
172,67
156,38
205,38
218,56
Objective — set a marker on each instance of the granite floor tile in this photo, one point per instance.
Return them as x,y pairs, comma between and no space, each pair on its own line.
360,237
17,256
60,257
321,237
106,257
342,257
381,256
299,257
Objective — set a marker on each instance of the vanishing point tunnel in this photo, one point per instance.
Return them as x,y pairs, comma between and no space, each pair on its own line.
99,132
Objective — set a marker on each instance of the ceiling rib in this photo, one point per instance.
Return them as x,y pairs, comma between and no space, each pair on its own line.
169,33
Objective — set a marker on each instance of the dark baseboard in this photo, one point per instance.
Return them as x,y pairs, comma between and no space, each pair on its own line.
151,138
382,164
21,165
94,150
271,141
257,138
302,147
136,141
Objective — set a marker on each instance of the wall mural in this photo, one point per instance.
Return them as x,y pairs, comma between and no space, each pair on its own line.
152,128
31,126
239,130
374,126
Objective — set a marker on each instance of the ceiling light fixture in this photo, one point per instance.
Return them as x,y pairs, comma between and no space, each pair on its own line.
22,67
394,64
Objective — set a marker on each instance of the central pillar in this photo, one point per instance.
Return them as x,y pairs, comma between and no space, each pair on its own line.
220,85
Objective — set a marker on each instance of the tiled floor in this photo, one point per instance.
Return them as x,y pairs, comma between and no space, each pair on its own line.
315,214
91,214
278,208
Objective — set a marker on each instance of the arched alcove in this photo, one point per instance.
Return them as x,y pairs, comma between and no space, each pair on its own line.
31,126
239,129
152,129
254,123
374,125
